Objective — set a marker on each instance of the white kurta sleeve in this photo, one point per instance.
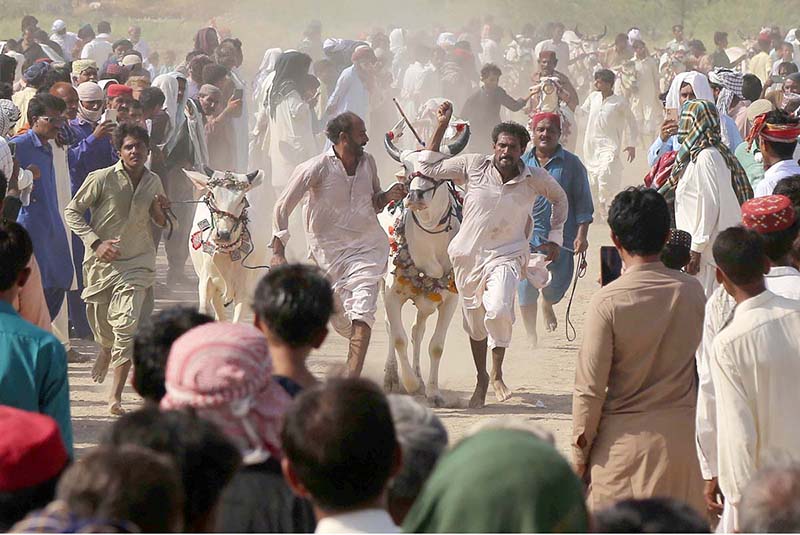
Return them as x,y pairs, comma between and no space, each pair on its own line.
736,426
433,165
704,220
303,178
549,188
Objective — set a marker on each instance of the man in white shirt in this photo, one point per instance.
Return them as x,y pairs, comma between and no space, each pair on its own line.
561,48
340,452
66,40
777,133
774,219
342,194
99,48
610,127
754,367
490,253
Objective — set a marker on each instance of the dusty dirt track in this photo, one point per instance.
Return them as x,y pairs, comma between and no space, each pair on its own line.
541,378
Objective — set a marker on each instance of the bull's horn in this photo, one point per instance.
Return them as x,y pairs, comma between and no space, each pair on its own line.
208,171
605,31
388,143
460,142
252,176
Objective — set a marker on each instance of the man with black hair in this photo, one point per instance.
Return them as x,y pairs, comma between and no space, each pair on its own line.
341,452
633,407
751,87
40,216
120,257
343,193
151,346
490,253
777,134
99,47
652,515
33,370
754,364
205,458
292,306
610,126
720,58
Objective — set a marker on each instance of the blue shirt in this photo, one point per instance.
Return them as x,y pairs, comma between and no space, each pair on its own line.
41,218
569,172
33,371
87,153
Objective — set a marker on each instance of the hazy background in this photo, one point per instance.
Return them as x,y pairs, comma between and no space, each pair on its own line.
262,24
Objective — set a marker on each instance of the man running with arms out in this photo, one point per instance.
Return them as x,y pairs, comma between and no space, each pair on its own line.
344,237
490,253
119,265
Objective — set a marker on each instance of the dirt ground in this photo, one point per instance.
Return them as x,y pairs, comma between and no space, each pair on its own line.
541,378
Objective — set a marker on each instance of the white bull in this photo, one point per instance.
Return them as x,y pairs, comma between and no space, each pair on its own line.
422,272
220,241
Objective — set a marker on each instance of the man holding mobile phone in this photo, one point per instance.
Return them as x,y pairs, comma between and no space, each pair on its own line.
633,408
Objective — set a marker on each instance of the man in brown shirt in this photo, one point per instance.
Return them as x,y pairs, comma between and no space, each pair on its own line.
633,410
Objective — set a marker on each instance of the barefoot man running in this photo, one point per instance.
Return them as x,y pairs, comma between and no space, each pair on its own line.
490,253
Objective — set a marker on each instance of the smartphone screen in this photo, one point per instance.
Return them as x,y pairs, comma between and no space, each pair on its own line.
238,94
671,114
13,148
110,115
610,265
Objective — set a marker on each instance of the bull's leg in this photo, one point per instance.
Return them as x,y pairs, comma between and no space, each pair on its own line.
204,296
417,335
391,383
399,340
436,348
217,304
238,308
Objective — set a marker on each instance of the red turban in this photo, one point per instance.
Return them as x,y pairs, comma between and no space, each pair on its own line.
552,117
115,90
31,449
777,133
772,213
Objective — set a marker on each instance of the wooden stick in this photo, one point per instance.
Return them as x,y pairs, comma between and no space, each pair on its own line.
410,126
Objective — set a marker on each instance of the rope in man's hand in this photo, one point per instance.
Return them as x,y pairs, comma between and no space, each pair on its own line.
580,272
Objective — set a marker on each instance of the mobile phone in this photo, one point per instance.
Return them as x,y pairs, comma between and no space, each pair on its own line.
238,94
671,114
610,265
110,115
777,79
13,148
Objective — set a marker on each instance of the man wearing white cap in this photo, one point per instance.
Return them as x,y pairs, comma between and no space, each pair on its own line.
66,40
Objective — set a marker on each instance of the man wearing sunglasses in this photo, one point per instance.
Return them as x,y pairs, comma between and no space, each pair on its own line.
39,215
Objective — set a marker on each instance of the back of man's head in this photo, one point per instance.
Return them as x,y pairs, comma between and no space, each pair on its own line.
340,444
653,515
294,303
751,87
205,458
16,249
124,485
740,254
151,346
790,187
639,218
104,27
784,151
771,500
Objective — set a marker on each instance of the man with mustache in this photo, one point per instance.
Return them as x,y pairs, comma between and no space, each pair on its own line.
343,194
490,253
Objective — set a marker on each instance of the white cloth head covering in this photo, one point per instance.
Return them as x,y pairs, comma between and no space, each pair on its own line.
699,84
267,66
635,34
169,86
446,39
88,92
59,25
731,82
397,40
130,60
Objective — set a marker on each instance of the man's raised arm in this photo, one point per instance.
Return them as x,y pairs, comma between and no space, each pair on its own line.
434,164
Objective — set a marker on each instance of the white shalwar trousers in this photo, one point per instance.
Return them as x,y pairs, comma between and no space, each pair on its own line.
495,317
357,304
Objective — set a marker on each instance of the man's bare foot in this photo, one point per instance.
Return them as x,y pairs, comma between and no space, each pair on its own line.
478,399
115,409
550,321
100,368
501,391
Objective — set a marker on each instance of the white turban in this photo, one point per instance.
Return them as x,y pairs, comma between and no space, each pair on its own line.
699,84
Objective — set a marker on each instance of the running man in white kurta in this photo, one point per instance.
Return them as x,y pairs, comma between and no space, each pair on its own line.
610,127
490,252
343,195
